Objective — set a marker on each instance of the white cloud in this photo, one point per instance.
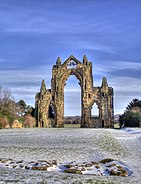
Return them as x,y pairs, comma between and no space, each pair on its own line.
115,65
34,74
125,89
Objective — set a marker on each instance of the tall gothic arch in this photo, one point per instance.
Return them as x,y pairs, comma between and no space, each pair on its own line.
54,97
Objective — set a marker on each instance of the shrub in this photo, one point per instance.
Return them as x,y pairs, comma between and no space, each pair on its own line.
29,121
4,122
130,119
132,114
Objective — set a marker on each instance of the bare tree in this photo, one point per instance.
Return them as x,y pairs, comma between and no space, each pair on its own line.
5,96
7,103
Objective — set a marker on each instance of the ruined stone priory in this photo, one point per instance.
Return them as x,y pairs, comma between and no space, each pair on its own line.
49,103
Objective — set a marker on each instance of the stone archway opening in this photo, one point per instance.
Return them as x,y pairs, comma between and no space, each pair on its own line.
102,123
95,114
72,103
95,111
51,115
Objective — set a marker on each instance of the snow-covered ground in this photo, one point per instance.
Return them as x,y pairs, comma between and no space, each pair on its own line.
70,145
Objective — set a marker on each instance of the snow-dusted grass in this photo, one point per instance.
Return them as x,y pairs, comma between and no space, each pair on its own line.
67,145
72,125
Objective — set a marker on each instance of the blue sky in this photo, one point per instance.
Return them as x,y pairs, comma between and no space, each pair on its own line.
33,33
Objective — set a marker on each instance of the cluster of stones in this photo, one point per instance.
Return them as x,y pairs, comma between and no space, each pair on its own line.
53,98
106,167
103,167
40,165
80,168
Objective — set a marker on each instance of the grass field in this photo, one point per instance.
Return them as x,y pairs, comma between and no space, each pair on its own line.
71,125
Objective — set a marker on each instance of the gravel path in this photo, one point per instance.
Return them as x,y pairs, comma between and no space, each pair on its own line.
66,145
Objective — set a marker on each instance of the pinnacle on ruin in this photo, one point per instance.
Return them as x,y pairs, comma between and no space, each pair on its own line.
43,87
104,83
85,60
58,62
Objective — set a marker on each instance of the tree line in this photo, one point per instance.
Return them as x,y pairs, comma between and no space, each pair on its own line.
11,110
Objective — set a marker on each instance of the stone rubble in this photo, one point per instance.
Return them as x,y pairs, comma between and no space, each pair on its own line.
105,167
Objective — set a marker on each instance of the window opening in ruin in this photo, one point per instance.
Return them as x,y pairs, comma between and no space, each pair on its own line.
71,64
103,95
72,103
51,112
95,111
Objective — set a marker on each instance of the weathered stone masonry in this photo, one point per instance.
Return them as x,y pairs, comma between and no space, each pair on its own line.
54,98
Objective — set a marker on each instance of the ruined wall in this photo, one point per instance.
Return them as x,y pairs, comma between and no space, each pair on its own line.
102,96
